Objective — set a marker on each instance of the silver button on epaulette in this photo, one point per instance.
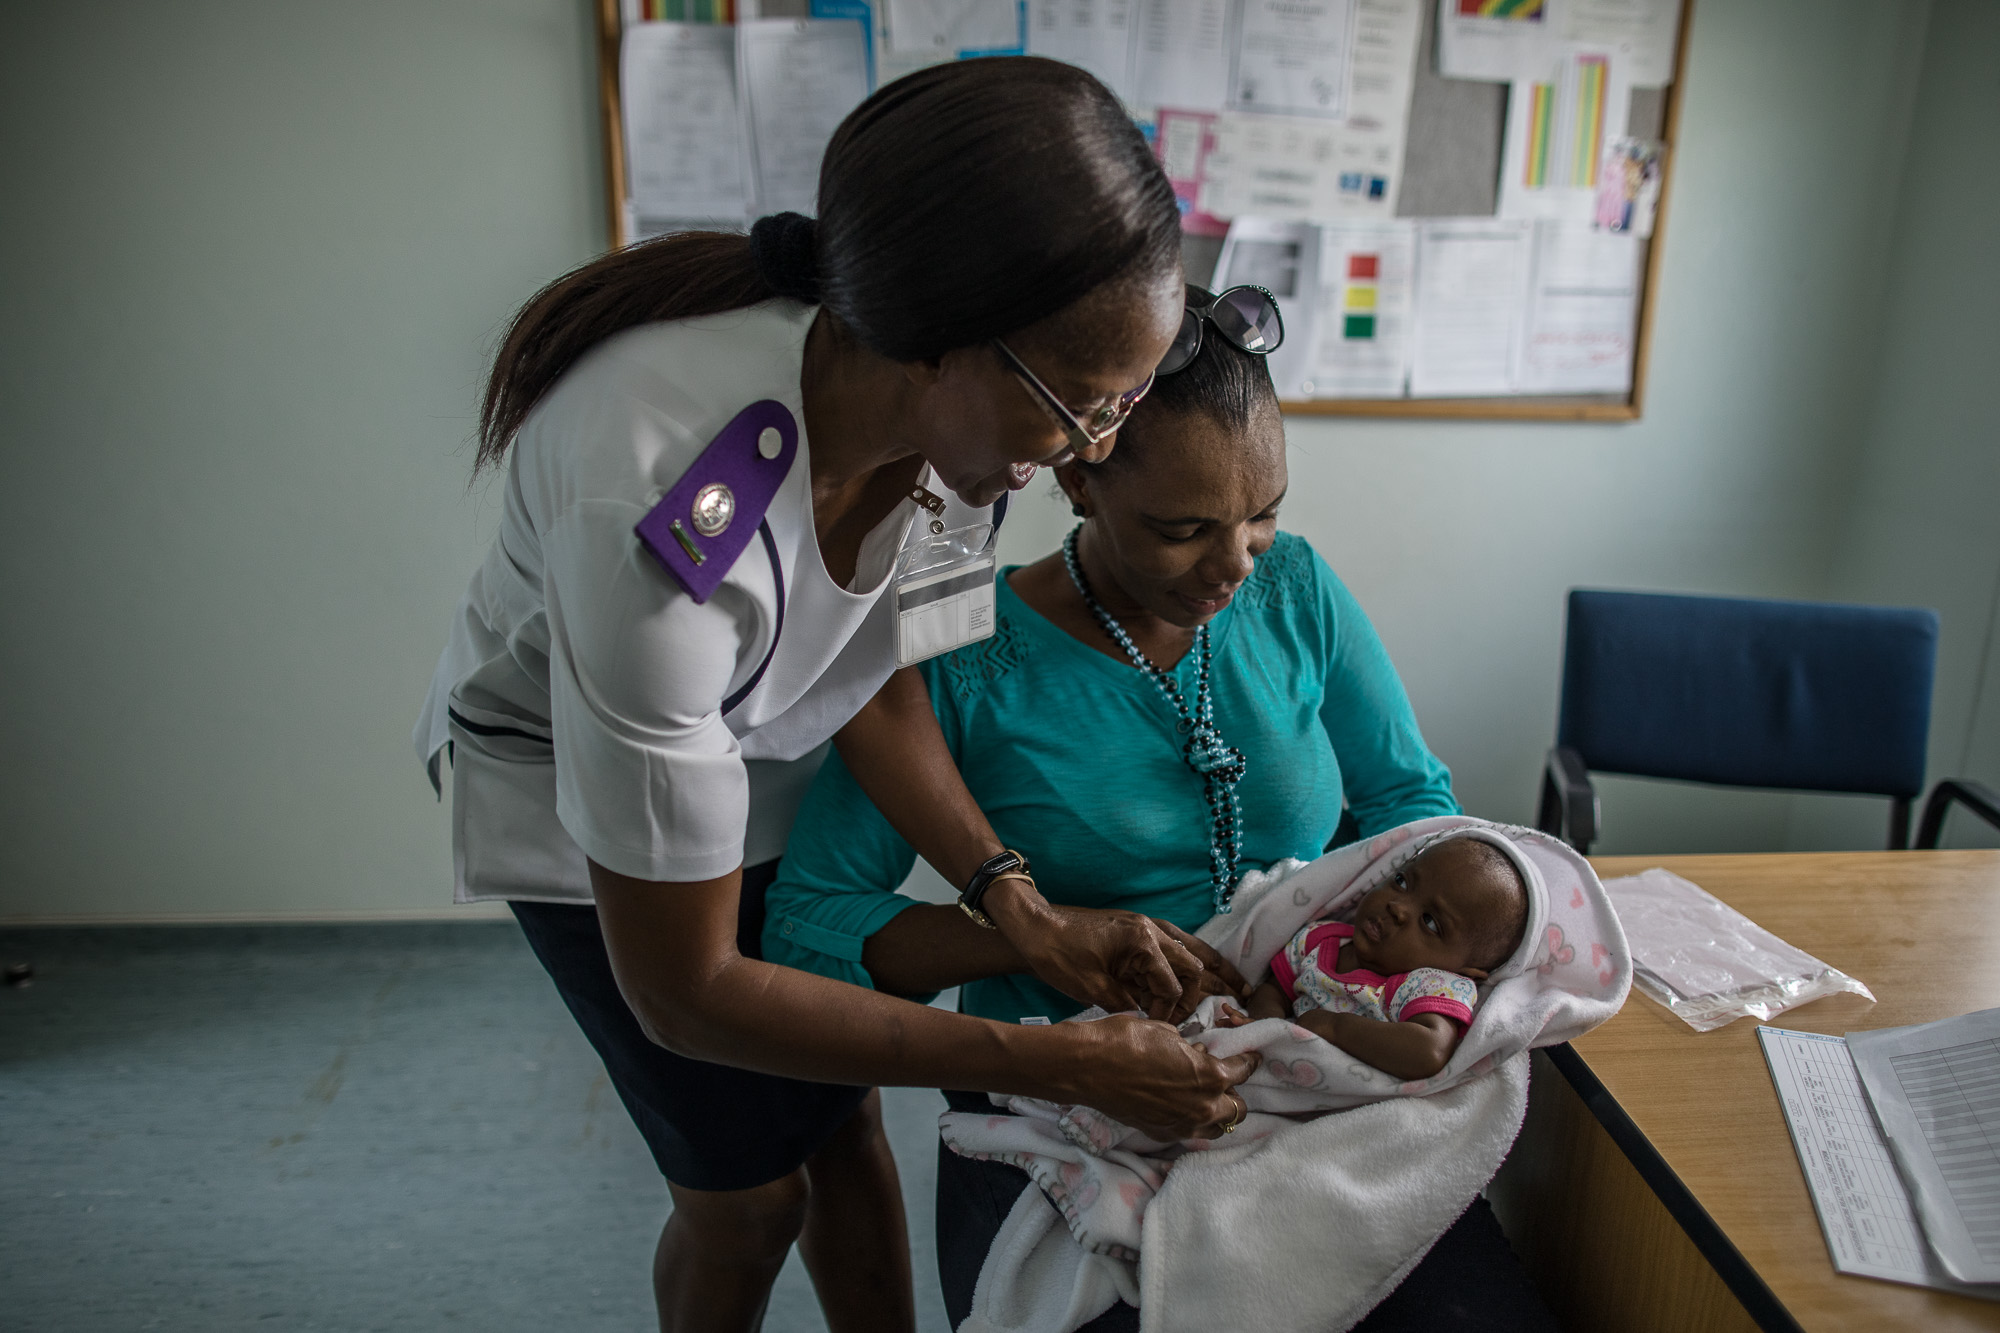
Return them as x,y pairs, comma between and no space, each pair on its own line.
714,506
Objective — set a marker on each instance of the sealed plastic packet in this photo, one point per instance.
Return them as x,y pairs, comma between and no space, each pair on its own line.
1707,962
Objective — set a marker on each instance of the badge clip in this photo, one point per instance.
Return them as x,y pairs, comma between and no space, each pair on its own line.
930,501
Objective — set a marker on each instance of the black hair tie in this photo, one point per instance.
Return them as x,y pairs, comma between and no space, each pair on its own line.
781,246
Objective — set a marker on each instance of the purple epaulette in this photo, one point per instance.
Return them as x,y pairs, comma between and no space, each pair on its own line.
705,521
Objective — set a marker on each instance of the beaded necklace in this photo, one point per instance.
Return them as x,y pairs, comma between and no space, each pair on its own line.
1219,764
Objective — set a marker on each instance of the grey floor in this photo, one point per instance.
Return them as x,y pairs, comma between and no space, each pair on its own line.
332,1127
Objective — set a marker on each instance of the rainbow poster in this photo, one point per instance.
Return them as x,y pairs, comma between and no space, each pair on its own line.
688,11
1564,126
1530,10
1541,129
1586,146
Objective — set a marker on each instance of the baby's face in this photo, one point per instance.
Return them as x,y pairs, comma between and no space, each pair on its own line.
1438,911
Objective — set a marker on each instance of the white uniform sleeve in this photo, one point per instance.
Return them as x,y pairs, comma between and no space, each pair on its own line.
649,781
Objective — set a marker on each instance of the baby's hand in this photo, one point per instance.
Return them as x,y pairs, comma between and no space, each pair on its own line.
1229,1016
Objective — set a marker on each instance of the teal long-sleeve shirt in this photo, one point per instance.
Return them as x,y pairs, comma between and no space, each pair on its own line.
1075,758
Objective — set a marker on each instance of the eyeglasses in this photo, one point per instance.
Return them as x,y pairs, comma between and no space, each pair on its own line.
1246,317
1104,422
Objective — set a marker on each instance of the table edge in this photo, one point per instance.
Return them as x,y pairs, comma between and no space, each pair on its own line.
1757,1298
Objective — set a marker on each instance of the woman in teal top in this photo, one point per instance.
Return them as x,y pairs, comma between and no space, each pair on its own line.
1074,756
1081,760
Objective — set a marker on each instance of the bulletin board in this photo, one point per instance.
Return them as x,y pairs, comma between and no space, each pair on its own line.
1452,165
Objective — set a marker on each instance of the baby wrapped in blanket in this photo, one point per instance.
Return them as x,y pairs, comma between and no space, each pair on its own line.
1396,987
1397,976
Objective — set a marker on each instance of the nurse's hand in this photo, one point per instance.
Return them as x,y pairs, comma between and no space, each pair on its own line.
1115,960
1217,976
1145,1075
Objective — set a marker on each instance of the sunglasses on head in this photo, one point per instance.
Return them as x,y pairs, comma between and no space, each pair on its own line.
1245,317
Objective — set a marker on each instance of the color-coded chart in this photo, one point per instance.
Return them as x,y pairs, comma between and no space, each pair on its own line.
1357,303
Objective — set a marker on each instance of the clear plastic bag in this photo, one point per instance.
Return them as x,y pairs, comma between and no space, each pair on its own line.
1707,962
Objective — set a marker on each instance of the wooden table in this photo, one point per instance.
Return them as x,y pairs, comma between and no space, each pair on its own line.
1655,1186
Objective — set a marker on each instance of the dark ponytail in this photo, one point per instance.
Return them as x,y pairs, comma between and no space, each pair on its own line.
957,204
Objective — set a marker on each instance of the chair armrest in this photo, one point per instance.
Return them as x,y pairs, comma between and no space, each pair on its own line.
1977,797
1569,807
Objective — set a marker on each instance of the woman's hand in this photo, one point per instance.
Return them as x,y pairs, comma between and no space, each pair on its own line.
1143,1074
1217,977
1115,960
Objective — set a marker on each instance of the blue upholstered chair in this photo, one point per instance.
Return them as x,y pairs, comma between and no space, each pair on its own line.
1805,696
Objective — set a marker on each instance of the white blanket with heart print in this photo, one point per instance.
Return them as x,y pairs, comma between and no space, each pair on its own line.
1238,1232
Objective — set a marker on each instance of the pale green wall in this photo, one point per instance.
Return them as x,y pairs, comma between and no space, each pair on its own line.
254,255
1923,523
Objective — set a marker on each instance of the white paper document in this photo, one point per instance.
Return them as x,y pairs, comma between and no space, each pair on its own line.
1863,1206
1307,169
800,78
1559,125
1345,290
1493,42
1278,167
1935,1090
684,145
1367,274
1503,40
1180,54
955,28
1583,312
1292,57
1646,29
1091,34
862,12
1383,68
1472,286
1283,259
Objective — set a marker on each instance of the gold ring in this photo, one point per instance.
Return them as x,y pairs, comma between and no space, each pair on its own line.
1242,1114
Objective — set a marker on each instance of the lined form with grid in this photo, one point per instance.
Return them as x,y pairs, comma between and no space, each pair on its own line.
1956,1095
1935,1091
1863,1207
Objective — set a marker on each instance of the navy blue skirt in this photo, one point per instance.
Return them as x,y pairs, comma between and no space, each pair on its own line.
710,1127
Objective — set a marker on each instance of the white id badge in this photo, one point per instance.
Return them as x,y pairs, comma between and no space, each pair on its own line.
944,593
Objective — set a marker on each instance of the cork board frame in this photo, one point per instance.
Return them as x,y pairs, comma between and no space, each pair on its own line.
1457,114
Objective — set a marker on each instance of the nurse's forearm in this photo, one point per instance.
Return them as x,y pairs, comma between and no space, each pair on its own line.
760,1016
932,948
673,950
896,751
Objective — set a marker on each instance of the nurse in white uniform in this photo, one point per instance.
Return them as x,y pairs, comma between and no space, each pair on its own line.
717,451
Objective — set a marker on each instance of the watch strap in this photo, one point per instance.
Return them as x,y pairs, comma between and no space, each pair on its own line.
1007,861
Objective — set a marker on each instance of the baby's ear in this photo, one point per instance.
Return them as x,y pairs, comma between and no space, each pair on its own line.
1474,973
